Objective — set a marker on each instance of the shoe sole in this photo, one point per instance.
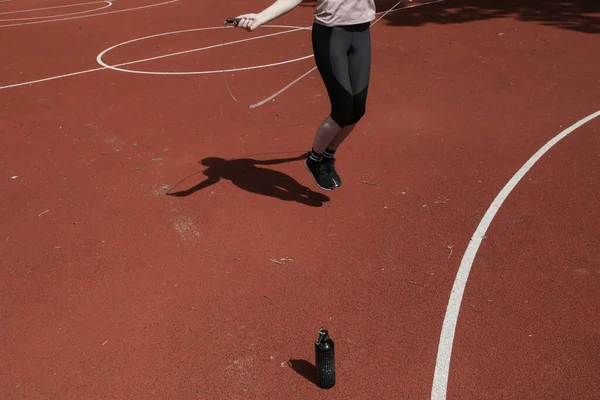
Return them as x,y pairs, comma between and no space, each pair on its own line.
316,183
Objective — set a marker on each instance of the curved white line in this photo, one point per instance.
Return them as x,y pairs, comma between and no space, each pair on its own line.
89,16
51,8
116,67
442,364
289,85
108,4
217,71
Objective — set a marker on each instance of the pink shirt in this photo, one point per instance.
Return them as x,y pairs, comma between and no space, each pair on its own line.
344,12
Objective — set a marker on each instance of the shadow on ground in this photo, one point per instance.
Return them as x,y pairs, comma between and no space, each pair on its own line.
305,369
576,15
252,176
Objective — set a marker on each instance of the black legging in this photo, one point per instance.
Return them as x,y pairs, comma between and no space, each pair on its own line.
343,57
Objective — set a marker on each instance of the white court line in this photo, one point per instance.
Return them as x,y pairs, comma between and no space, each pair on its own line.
51,8
108,4
89,16
51,78
131,62
115,67
442,364
304,75
139,61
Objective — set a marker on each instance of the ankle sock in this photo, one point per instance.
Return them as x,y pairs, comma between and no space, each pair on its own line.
329,153
314,156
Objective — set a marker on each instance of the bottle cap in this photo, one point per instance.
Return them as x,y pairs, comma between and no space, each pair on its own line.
323,336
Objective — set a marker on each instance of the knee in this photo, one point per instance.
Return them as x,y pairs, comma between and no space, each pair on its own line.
359,112
360,105
349,110
343,117
349,115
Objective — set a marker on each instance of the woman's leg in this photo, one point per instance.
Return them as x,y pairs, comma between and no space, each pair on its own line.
331,47
340,137
328,131
359,66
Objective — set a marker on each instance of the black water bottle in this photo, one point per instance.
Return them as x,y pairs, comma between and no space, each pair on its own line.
325,360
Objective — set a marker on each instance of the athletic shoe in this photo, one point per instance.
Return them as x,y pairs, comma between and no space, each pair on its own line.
330,168
320,174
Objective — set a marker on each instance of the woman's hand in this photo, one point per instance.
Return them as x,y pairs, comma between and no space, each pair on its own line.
249,22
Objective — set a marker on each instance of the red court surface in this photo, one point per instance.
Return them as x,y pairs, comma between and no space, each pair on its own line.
114,288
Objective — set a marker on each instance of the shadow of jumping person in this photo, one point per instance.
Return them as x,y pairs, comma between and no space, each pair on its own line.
248,174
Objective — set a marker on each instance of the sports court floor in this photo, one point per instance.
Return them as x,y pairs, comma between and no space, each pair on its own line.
159,239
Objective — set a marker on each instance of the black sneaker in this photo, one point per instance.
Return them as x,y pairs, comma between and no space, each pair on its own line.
330,168
320,174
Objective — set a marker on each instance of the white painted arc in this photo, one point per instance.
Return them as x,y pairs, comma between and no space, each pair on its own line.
107,5
52,8
442,365
91,15
132,62
132,9
292,29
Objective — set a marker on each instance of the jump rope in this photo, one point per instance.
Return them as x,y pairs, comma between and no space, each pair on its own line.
234,22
